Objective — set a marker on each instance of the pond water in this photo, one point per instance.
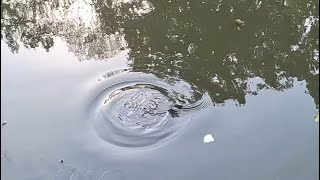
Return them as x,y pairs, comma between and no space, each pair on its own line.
167,89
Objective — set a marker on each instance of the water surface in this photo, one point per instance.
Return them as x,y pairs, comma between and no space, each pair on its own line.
128,89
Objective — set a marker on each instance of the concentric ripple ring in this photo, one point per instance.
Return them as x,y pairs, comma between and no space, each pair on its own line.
138,110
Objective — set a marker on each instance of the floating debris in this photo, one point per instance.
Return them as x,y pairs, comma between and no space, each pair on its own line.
239,23
173,113
208,138
4,123
178,106
316,117
192,48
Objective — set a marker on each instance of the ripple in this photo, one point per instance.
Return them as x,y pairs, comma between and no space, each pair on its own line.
138,110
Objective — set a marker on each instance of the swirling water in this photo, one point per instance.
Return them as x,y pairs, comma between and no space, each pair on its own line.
138,110
161,77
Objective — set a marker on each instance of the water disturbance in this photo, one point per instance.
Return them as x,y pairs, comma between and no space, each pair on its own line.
159,89
138,110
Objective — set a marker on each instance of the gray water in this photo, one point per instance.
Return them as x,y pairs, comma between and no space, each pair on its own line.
97,83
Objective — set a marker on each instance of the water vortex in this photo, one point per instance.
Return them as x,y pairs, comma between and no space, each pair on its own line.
138,110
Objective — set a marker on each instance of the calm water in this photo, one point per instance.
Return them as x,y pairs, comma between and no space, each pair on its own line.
131,90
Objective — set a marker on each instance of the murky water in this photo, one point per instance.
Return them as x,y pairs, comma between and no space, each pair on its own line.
136,89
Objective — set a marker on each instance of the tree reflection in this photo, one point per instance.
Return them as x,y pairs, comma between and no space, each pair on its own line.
192,39
34,23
